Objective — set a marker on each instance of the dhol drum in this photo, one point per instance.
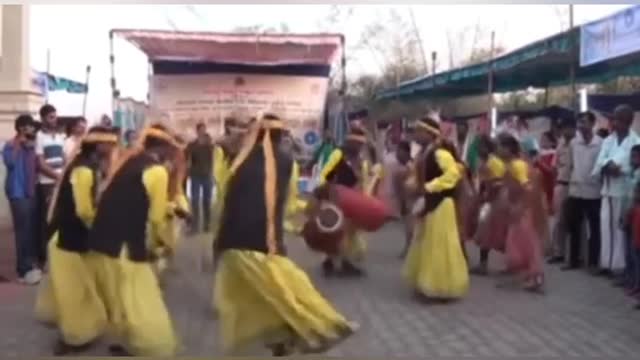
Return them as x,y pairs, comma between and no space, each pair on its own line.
324,229
363,211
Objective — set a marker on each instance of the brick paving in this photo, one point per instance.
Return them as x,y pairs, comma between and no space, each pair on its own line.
578,317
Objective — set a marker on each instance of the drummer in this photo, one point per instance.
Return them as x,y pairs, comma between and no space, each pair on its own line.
347,167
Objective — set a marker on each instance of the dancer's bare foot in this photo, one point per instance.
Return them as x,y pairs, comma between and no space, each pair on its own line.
535,284
328,268
350,270
480,270
61,348
280,350
118,350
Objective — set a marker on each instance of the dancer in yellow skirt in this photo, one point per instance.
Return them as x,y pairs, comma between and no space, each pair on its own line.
69,299
262,296
178,212
131,218
346,167
435,266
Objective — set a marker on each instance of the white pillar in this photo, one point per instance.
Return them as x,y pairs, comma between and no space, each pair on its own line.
17,94
15,72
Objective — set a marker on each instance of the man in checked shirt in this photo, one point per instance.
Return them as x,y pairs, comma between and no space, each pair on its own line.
561,192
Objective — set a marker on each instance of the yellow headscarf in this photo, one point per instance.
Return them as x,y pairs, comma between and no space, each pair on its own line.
152,131
95,135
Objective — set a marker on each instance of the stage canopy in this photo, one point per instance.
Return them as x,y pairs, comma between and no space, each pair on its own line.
232,48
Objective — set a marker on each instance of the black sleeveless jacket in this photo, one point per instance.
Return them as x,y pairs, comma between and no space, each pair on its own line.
432,171
244,218
73,233
122,214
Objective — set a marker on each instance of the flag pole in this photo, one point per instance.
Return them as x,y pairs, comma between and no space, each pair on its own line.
47,72
86,93
490,106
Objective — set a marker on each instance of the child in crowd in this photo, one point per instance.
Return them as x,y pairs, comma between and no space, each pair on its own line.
634,220
544,162
632,211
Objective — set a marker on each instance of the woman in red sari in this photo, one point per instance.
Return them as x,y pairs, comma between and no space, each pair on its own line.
526,216
545,163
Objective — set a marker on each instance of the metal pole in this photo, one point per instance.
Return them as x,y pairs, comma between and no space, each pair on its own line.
86,94
572,61
114,91
490,79
48,72
434,58
343,91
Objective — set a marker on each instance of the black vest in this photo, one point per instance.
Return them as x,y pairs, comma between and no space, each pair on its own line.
73,234
122,213
343,174
244,219
431,171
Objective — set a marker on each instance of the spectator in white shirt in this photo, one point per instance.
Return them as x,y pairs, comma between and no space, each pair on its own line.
614,166
75,132
584,193
51,161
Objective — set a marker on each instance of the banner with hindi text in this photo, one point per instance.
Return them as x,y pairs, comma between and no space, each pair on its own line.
611,37
186,100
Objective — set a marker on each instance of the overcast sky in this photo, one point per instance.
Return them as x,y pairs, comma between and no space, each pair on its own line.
77,35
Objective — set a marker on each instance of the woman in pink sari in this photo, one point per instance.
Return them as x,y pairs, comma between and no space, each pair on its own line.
491,201
526,216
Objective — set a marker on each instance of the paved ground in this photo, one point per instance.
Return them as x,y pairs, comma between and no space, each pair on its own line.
579,317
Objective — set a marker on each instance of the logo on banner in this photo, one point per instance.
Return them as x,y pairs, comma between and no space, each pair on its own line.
310,138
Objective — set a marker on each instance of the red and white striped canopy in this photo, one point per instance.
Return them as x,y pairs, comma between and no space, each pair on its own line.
248,49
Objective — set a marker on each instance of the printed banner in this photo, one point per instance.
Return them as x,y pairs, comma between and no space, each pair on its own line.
611,37
186,100
129,114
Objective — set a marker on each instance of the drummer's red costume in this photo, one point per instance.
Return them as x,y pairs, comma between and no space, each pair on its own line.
436,267
260,295
346,167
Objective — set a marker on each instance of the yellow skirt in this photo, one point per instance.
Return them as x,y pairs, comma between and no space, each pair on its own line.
69,299
137,314
166,251
435,265
353,247
267,299
216,216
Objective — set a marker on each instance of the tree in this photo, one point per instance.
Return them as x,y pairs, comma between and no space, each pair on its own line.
393,44
471,45
562,15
